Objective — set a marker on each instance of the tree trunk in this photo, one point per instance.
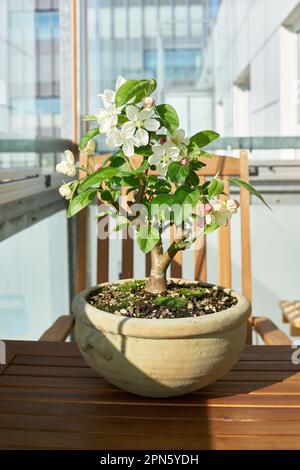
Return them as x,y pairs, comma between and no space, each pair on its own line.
157,282
160,262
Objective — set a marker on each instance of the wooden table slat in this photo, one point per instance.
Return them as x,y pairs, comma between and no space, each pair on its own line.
50,398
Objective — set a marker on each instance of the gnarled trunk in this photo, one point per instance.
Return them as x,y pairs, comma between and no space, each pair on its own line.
160,262
157,282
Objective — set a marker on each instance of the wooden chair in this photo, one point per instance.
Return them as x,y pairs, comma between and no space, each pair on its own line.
291,314
227,167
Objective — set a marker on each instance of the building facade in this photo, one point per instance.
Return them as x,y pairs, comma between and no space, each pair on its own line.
30,68
164,39
256,69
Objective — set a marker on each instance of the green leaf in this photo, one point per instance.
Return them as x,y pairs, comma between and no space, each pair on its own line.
161,199
196,165
145,151
80,201
178,173
118,153
117,162
134,90
122,119
88,136
147,238
168,116
89,117
211,228
160,207
202,139
158,185
173,171
142,89
120,226
95,179
192,179
131,180
109,211
185,195
123,92
249,188
107,196
215,188
187,199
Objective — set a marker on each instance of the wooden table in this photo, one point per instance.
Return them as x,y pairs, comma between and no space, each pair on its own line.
49,398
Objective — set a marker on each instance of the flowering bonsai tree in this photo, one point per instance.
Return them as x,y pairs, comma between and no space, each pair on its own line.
158,164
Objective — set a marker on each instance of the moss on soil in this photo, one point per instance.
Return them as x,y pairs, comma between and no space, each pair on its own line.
180,300
171,302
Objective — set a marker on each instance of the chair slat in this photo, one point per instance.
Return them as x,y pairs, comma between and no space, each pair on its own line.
127,247
245,227
103,254
228,166
245,237
81,239
224,255
200,262
176,263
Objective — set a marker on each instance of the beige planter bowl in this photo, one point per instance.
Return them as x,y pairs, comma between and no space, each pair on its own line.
161,358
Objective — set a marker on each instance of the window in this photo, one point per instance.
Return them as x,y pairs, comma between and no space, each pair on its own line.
180,65
48,105
47,25
150,62
298,78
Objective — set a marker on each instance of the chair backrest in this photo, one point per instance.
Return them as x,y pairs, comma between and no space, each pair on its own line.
227,167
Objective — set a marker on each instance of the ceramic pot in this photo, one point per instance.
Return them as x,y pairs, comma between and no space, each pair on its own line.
161,357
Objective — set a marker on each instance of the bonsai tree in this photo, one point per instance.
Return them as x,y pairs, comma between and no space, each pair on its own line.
157,163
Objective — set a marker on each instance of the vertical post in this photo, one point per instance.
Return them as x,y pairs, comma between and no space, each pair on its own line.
225,277
82,238
71,227
75,69
84,61
200,261
80,269
245,243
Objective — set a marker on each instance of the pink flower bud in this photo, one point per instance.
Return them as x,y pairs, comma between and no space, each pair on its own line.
148,101
98,166
162,140
208,208
184,161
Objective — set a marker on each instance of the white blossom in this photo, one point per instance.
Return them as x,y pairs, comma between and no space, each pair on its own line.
67,166
123,137
163,155
220,214
107,117
232,205
108,96
65,191
178,138
142,121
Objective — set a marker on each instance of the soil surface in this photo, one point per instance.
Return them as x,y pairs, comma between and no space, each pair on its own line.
180,300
